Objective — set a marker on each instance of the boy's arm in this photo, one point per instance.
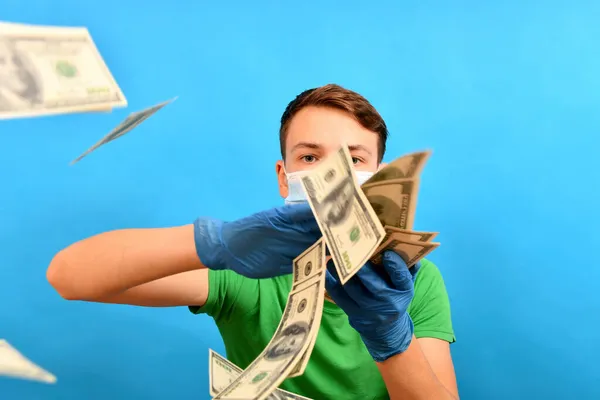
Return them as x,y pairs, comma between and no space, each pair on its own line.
184,289
106,265
437,353
410,375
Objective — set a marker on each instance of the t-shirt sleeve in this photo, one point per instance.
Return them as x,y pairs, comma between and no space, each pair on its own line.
229,295
430,307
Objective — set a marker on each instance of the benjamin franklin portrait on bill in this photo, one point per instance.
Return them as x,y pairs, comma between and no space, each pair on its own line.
19,86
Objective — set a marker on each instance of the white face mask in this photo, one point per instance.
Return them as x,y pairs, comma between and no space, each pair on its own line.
296,192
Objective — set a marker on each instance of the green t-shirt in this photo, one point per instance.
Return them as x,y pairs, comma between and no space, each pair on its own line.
247,313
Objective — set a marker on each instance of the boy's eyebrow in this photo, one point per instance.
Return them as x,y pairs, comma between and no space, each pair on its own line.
317,146
356,147
306,145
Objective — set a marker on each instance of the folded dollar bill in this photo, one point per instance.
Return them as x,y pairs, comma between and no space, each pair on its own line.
131,122
15,365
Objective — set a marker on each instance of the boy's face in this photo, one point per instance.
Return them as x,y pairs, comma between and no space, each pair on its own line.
316,132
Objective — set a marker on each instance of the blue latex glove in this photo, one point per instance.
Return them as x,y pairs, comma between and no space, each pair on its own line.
262,245
376,300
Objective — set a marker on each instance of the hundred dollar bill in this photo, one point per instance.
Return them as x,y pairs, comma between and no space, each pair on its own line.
346,219
405,167
394,201
301,269
223,372
53,70
302,266
408,234
131,122
305,357
14,364
300,321
309,266
409,250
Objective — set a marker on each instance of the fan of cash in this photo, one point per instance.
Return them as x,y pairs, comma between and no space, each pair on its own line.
358,224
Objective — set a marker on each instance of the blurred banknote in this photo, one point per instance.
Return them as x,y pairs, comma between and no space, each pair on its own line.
405,167
349,224
394,201
14,364
131,122
47,70
222,372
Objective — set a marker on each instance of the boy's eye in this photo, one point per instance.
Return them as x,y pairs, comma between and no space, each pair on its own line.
309,158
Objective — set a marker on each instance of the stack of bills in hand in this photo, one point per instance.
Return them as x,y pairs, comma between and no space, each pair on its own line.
46,70
358,224
392,192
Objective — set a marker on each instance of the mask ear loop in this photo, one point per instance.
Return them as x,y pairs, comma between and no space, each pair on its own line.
295,188
287,178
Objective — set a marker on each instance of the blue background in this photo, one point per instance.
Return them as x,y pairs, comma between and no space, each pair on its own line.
507,95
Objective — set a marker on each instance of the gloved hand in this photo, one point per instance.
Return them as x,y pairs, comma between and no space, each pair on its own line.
376,300
262,245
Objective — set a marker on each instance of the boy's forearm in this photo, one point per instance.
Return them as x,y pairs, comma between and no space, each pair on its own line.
111,262
409,376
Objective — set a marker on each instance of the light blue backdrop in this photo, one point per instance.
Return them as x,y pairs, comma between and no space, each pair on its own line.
507,95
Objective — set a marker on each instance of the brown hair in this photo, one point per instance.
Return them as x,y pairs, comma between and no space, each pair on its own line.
337,97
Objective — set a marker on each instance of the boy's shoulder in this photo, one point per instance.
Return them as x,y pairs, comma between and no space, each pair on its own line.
430,307
427,273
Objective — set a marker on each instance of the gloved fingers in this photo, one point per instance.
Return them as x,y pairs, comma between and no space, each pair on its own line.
397,270
299,215
294,213
374,279
332,270
415,269
286,269
334,287
357,288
